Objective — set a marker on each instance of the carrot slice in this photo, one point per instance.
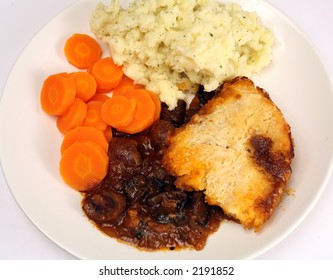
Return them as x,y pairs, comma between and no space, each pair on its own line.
93,116
118,111
57,94
158,106
108,133
82,134
99,97
107,74
144,114
89,69
85,85
103,91
81,50
125,85
74,116
83,165
98,89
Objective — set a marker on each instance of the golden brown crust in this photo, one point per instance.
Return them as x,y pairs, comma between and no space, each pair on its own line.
238,149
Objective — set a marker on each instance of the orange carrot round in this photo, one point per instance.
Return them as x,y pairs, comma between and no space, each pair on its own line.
85,85
57,94
103,91
99,91
108,133
107,74
83,165
118,111
82,134
125,85
81,50
144,114
93,116
99,97
74,116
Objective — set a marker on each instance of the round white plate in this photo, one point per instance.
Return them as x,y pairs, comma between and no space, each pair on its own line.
30,143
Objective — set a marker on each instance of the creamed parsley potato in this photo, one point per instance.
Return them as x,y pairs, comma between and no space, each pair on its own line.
172,46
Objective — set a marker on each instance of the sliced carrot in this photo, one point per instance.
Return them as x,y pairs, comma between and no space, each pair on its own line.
103,91
85,85
158,106
107,74
89,69
144,114
57,94
82,134
83,165
125,85
74,116
81,50
99,97
118,111
108,133
93,116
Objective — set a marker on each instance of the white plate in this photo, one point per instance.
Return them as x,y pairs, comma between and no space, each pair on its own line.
29,143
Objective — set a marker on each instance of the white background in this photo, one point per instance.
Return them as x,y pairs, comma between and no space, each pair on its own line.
20,20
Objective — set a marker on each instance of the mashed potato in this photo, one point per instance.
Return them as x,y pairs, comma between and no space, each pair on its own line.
174,45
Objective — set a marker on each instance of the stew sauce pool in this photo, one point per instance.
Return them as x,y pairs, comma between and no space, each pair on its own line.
137,201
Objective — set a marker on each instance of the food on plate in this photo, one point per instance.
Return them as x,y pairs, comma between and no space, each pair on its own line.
125,85
93,116
174,46
83,165
238,150
154,171
82,51
82,134
118,111
147,111
85,85
108,133
85,116
131,111
107,74
100,97
137,201
57,94
158,105
73,117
